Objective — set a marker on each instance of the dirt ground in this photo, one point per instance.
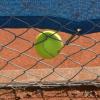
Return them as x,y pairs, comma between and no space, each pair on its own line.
68,93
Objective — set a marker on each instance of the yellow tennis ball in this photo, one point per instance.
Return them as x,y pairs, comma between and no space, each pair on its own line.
48,44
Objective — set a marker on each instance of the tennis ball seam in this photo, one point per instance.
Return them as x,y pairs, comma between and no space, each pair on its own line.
47,51
50,54
53,37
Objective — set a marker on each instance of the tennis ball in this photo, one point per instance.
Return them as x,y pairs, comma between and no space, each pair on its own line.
48,44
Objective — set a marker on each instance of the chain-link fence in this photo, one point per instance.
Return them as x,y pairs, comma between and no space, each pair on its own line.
77,65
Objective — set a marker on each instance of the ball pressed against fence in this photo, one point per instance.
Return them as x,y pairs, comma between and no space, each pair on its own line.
48,44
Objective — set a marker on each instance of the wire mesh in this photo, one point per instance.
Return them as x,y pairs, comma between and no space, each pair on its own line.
18,53
22,69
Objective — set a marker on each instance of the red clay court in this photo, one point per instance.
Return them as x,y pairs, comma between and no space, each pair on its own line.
79,61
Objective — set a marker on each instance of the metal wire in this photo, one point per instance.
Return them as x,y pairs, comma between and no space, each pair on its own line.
73,74
69,42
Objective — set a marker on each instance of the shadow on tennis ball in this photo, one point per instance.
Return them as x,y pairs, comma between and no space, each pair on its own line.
48,44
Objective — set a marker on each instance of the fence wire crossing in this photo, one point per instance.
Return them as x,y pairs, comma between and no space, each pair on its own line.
77,64
73,74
